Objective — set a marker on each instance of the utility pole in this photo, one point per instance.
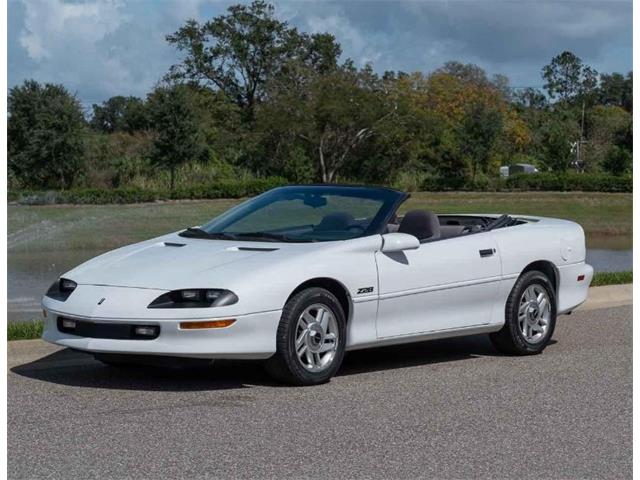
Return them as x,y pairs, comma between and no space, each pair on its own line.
579,161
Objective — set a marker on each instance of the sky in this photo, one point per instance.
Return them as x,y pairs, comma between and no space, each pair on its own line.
101,48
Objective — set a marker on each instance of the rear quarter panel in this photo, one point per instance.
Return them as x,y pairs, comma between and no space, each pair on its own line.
560,242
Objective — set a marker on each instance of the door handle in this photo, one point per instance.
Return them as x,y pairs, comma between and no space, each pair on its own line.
487,252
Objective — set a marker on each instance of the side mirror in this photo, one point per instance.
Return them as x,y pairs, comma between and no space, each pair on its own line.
397,242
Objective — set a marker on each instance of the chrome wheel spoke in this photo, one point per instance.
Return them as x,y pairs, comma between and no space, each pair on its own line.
301,338
534,313
307,319
543,304
326,346
529,294
309,356
324,324
317,338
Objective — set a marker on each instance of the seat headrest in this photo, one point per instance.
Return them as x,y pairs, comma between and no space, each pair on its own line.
421,224
335,221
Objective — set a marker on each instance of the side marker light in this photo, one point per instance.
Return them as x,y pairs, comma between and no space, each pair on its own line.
207,324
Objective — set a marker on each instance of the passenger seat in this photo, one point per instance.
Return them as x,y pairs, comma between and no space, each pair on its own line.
421,224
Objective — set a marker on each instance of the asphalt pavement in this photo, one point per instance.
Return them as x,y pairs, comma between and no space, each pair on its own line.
442,409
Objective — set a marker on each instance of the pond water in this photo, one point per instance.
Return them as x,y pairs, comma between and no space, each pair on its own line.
603,260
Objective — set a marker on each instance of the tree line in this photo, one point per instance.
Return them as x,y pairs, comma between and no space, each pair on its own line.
255,97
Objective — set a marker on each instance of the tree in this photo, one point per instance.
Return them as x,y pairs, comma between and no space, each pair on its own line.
120,114
174,121
466,72
333,114
45,132
617,161
567,78
239,52
607,126
530,98
557,136
480,128
615,89
501,83
407,141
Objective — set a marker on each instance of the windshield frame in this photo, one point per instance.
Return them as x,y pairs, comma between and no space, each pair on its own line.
390,200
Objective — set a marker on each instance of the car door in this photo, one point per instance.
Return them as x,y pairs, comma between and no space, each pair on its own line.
445,284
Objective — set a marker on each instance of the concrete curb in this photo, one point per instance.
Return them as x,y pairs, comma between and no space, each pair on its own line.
608,296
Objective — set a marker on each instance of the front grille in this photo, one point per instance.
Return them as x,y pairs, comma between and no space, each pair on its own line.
114,331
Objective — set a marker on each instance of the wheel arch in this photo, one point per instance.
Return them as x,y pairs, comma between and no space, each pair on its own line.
333,286
548,268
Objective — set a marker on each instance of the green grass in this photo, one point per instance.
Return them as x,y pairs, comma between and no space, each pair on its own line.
25,330
611,278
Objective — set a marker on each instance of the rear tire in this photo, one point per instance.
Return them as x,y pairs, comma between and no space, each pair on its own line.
530,316
310,339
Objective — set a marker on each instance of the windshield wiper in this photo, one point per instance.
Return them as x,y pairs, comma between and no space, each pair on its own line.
273,237
196,232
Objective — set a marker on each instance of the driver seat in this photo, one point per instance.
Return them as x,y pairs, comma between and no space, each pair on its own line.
421,224
335,221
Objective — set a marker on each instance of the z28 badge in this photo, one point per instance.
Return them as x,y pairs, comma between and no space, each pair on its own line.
364,290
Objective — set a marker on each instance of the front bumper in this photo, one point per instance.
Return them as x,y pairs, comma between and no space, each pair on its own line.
252,336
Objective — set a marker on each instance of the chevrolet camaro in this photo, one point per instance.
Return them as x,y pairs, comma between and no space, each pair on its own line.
301,274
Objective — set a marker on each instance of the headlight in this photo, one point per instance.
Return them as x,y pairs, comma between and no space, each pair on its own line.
61,289
195,298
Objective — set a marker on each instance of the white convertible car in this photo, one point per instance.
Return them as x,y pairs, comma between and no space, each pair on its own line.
301,274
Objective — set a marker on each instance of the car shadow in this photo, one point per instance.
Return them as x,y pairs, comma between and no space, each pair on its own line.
78,369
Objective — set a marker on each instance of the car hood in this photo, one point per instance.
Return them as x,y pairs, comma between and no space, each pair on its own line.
174,262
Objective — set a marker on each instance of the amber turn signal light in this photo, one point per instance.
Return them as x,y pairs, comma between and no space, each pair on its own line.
208,324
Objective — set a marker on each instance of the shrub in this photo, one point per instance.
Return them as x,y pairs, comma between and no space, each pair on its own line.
222,189
562,182
548,181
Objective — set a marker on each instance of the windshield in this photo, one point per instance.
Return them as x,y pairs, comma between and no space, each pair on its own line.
305,214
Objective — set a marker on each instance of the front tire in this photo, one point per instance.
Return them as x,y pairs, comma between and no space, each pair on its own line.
530,316
310,340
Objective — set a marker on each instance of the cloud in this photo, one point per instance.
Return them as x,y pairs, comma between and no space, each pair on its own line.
50,24
100,48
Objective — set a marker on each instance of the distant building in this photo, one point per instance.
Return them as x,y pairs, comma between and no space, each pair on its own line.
507,170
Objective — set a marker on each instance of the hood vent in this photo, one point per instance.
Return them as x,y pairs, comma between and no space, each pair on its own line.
171,244
257,249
